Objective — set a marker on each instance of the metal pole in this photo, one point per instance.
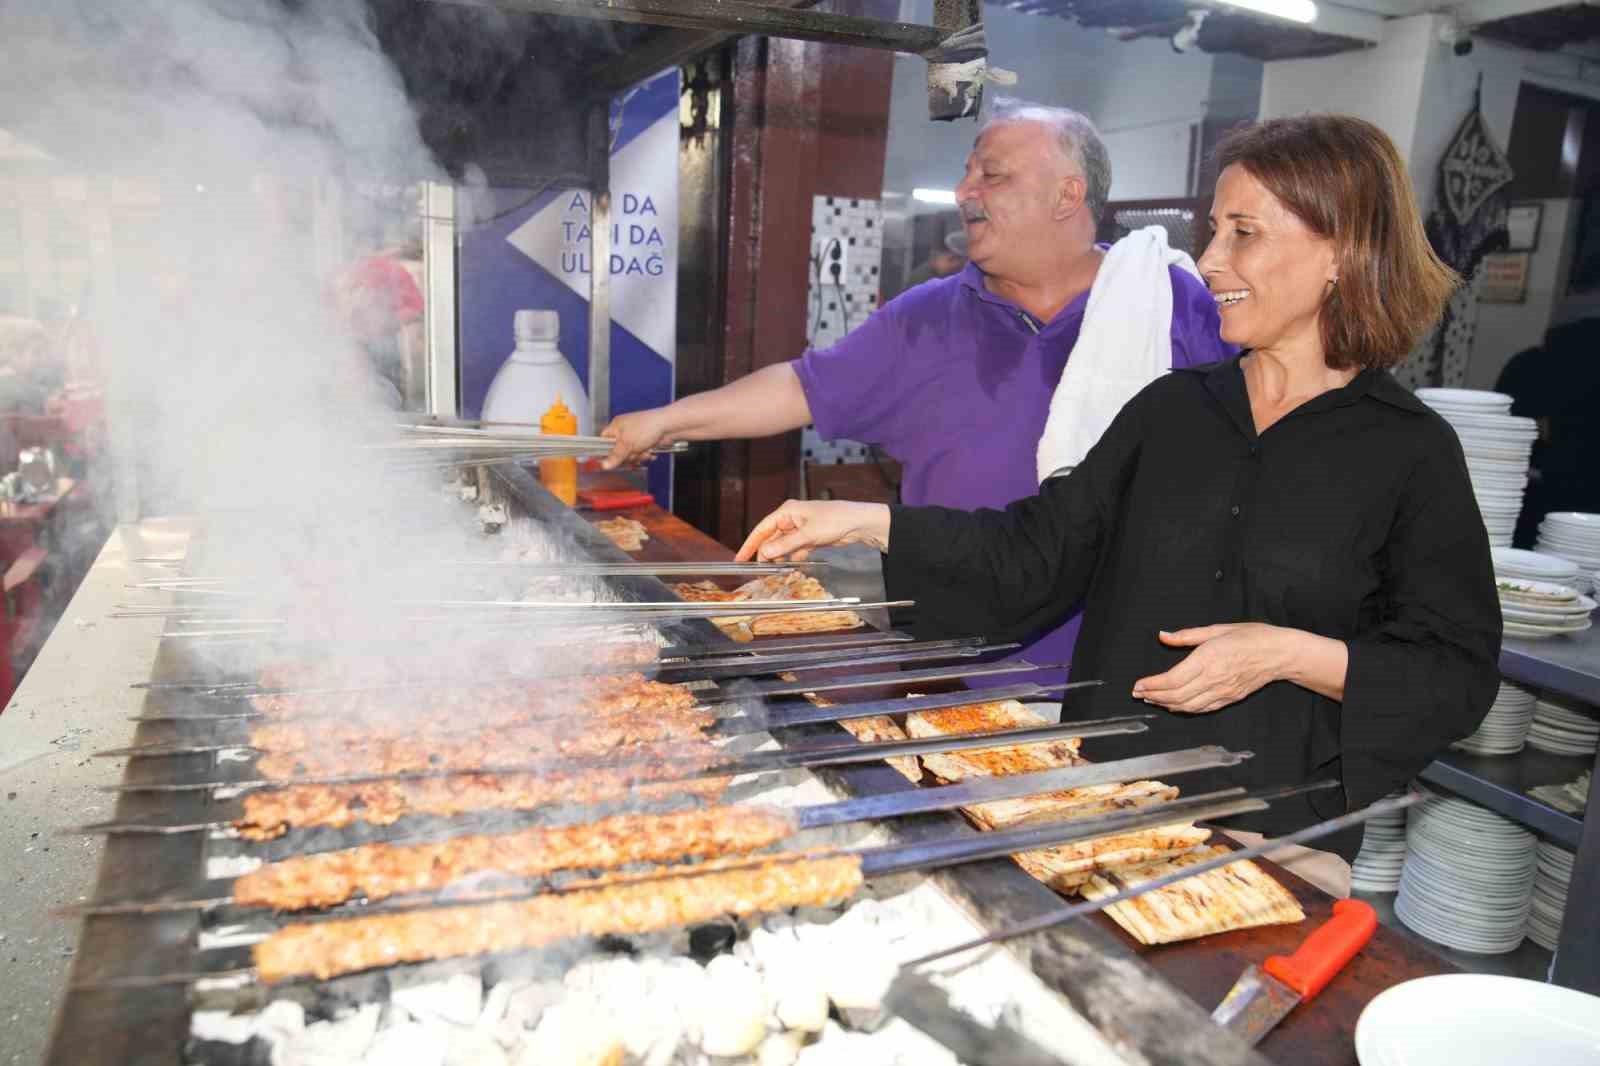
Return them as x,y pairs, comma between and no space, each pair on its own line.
439,269
1577,961
600,263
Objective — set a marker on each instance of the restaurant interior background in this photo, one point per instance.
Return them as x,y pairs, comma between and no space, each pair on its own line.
834,127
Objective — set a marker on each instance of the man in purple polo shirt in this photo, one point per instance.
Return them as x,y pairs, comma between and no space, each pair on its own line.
954,377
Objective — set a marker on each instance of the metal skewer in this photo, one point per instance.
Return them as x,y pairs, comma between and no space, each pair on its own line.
232,961
831,754
1266,847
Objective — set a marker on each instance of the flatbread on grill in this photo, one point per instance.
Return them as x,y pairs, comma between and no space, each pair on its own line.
626,533
1233,897
867,730
1068,867
982,717
787,585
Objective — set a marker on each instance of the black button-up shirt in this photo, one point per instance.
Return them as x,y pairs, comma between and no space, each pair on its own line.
1352,517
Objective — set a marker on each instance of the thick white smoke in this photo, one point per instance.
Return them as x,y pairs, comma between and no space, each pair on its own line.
282,143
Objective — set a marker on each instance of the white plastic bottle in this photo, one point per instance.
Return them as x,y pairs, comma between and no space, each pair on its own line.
535,376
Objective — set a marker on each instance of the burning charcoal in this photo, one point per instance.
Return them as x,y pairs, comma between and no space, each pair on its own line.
527,1005
456,1000
574,1032
494,1004
413,1044
283,1020
735,1018
781,1049
712,939
473,1047
252,1052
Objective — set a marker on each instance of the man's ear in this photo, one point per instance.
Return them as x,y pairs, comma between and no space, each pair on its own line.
1071,192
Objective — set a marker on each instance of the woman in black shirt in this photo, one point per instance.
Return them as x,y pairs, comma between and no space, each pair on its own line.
1284,549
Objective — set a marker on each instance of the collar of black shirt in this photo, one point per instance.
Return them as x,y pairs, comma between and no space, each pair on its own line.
1225,380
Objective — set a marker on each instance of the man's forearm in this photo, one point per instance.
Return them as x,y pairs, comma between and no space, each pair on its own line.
758,405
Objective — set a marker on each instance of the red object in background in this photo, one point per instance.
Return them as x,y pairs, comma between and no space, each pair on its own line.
613,499
383,275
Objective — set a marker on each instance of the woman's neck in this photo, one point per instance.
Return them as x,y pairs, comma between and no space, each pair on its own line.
1277,375
1278,380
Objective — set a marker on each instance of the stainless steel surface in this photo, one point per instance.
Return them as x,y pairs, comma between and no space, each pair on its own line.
986,789
1256,1002
926,1006
1069,913
74,699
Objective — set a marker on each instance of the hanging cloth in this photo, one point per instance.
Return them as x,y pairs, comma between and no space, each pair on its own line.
1468,222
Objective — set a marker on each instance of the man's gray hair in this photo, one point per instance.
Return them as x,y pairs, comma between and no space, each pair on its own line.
1077,138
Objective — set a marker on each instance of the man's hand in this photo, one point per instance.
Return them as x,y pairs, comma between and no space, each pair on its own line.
636,434
793,530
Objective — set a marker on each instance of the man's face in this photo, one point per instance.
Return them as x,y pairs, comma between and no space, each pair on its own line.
1010,195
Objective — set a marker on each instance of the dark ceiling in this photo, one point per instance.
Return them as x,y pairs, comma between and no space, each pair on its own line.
1546,30
1242,34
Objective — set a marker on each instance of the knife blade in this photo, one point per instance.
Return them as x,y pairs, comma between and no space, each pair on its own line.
1265,994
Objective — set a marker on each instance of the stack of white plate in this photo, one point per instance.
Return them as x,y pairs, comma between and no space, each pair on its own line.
1533,610
1574,536
1497,446
1559,728
1549,894
1505,728
1519,565
1468,877
1383,853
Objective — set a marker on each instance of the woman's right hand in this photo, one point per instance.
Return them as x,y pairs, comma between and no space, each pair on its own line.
636,434
793,530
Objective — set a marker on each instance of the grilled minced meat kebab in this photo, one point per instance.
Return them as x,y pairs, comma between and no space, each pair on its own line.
676,738
620,906
269,814
482,704
379,871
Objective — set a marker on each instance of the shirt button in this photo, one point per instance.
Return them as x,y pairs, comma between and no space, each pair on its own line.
1218,575
1234,510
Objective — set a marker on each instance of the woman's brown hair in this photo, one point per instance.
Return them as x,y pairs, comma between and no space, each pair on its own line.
1343,178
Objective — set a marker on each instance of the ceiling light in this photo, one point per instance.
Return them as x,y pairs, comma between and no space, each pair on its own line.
1293,10
934,196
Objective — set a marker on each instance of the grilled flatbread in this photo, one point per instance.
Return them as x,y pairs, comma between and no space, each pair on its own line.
788,585
625,533
981,717
1235,897
868,730
1068,867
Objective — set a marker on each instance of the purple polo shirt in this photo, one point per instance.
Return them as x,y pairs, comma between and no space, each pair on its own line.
955,383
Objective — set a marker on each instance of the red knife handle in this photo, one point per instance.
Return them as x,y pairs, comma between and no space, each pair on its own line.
1325,952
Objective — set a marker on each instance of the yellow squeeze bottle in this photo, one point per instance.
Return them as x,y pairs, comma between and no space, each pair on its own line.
560,476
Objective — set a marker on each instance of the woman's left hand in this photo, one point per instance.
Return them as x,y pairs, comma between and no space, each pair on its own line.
1228,663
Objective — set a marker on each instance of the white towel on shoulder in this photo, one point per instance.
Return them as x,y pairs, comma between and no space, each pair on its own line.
1125,344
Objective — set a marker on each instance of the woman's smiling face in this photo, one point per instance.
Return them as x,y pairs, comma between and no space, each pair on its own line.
1268,271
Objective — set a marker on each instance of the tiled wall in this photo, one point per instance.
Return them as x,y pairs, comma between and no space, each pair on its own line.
836,305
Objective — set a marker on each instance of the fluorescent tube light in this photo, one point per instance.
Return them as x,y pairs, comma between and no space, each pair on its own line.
934,196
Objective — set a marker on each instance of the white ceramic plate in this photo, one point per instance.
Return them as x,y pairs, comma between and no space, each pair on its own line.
1583,519
1461,1019
1526,632
1532,562
1465,397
